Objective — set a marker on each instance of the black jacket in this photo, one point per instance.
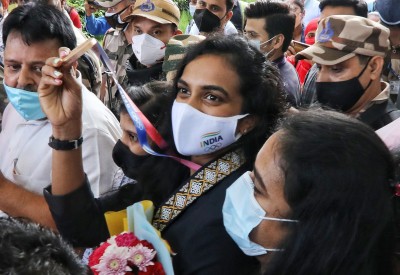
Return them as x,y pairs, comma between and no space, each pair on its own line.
197,236
139,74
379,115
200,241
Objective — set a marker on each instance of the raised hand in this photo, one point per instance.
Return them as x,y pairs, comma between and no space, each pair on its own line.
89,8
291,50
60,95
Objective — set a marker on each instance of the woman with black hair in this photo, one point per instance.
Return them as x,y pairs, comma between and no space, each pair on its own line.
78,215
318,201
228,98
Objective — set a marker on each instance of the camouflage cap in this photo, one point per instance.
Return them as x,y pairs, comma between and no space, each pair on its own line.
108,3
389,11
161,11
175,51
340,37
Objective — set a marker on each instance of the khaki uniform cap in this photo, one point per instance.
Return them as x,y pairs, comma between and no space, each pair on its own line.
341,37
161,11
108,3
176,49
175,52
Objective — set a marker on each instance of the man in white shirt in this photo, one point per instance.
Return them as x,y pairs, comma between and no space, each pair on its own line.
32,34
213,16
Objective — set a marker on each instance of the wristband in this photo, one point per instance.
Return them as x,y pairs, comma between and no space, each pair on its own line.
65,145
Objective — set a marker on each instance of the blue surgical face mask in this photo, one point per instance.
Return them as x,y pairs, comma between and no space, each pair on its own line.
242,213
26,103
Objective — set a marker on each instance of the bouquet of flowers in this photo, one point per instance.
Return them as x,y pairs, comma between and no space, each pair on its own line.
125,254
141,252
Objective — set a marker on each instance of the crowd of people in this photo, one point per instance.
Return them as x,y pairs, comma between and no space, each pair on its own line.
285,114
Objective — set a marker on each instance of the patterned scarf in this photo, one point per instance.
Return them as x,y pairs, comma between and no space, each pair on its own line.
199,183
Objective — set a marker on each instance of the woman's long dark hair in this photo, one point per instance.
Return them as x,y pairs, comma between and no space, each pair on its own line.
260,84
337,183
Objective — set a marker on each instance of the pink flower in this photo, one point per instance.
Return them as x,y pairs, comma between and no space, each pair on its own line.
125,254
141,256
94,258
114,261
156,269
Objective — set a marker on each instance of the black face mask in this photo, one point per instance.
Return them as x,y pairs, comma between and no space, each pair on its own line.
114,20
341,95
128,161
205,20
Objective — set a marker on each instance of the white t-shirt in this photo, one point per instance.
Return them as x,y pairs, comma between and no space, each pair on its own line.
26,156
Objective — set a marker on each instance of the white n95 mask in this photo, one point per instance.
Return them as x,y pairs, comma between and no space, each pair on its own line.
242,213
148,49
196,133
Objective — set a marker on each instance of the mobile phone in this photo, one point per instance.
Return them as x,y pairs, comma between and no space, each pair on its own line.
79,51
299,46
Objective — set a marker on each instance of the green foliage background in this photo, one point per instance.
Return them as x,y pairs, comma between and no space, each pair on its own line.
182,4
80,8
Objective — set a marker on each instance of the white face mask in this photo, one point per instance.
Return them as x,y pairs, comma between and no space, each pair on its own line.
192,9
196,133
147,49
242,213
109,14
257,44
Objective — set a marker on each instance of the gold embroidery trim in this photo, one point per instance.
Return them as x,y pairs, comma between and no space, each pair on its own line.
202,181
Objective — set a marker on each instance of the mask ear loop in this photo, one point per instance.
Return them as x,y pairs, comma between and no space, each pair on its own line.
270,53
238,135
226,13
363,70
220,19
278,219
224,17
267,42
365,67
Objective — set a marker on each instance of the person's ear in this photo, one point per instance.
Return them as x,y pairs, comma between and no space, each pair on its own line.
278,41
375,67
246,124
229,15
178,31
225,19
